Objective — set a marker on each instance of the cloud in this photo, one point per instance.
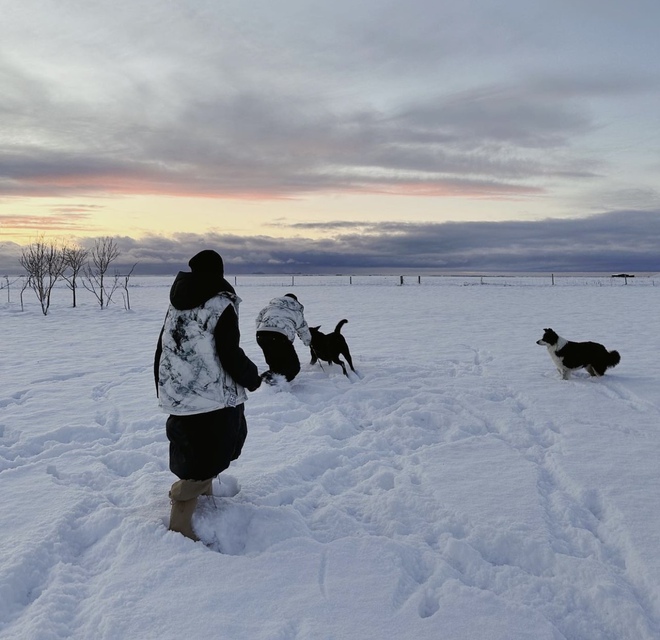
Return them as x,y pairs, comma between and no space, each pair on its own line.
261,101
212,102
495,142
614,241
631,198
623,240
65,219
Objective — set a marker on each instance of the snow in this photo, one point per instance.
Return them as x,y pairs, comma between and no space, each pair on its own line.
458,489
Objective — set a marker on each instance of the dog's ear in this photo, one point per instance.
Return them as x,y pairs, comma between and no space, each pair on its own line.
315,328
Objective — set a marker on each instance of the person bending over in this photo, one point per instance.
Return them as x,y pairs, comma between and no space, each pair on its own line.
278,323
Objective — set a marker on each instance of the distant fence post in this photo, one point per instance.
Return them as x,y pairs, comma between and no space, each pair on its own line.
292,280
234,280
400,280
350,279
419,279
553,279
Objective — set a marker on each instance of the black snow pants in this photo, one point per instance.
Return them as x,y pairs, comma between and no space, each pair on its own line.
280,354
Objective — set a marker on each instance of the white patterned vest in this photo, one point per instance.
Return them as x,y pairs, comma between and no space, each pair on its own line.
191,379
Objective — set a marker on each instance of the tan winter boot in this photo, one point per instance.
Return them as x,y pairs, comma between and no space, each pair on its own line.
181,517
184,494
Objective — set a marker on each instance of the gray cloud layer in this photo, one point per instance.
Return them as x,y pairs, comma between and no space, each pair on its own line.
618,241
260,98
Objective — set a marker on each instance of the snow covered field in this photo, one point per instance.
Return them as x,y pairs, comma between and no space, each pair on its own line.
459,490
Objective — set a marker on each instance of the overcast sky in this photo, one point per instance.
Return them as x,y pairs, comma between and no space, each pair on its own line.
306,135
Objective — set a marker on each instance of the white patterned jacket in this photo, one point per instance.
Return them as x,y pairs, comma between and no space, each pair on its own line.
285,315
191,379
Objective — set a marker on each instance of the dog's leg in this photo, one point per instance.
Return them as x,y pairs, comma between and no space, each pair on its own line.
341,364
347,355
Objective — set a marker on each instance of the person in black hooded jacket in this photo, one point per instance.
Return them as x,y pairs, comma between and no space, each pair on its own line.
201,374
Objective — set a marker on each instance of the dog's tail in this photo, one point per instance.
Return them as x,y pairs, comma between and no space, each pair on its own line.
340,324
613,358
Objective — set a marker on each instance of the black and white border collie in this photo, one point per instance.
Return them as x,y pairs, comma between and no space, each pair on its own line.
569,356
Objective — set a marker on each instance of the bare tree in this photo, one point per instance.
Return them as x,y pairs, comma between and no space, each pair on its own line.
125,295
105,251
44,263
75,259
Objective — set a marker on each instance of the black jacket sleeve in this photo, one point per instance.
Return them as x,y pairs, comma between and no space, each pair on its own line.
232,357
159,350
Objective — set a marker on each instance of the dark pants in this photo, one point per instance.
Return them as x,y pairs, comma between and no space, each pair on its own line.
204,444
280,355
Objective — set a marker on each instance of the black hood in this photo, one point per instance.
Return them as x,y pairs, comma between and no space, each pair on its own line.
192,290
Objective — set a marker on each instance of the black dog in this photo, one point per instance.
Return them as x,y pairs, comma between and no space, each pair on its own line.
330,346
569,356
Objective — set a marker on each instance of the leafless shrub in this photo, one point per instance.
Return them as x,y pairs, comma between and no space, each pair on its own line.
105,251
44,263
75,259
125,294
